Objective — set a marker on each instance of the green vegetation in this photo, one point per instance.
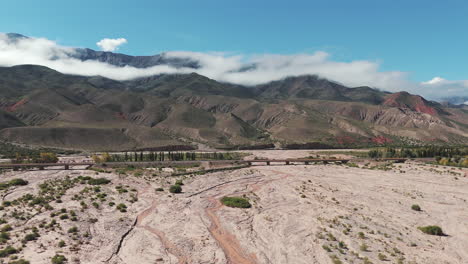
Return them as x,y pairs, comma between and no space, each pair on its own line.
12,151
61,243
432,230
169,156
31,237
9,250
73,230
58,259
179,182
416,207
19,261
122,208
175,189
382,257
363,247
237,202
98,181
418,152
14,182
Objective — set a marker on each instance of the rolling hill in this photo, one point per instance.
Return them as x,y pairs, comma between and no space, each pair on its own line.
40,106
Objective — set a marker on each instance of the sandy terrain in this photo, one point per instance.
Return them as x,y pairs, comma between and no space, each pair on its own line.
300,214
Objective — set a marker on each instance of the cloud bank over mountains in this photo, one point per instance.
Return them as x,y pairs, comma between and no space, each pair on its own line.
225,67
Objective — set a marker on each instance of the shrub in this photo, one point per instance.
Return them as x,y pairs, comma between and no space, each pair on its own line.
58,259
16,182
175,189
382,257
4,236
73,229
6,228
19,261
179,182
432,230
363,247
30,237
327,248
361,235
61,243
9,250
237,202
98,181
122,207
416,207
64,216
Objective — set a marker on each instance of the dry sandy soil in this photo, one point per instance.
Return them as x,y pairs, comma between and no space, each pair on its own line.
300,214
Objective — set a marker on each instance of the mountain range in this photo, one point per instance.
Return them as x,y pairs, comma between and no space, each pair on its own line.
42,107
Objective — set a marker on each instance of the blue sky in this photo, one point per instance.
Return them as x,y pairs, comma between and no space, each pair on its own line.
424,38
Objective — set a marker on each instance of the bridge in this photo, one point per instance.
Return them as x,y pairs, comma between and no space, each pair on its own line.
67,166
293,161
42,166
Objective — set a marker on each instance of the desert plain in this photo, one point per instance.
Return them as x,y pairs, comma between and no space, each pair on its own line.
321,213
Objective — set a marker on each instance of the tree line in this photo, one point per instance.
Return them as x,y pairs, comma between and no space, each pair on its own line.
165,156
419,152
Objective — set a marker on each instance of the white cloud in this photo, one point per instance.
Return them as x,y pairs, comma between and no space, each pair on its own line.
108,44
439,88
234,68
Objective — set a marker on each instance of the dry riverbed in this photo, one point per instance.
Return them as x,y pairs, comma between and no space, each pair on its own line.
299,214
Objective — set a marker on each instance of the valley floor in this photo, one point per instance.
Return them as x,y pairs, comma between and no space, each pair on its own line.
299,214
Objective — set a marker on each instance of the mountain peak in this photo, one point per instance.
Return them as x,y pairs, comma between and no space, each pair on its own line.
410,101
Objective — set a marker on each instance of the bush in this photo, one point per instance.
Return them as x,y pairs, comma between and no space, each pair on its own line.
175,189
98,181
6,228
237,202
9,250
416,207
432,230
122,207
58,259
19,261
382,257
179,182
73,230
61,243
16,182
30,237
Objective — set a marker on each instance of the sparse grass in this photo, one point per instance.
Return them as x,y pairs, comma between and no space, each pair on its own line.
432,230
237,202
